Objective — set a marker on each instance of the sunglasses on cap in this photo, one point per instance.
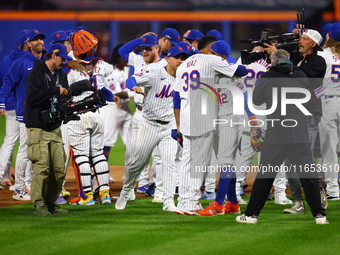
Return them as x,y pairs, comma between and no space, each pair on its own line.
148,49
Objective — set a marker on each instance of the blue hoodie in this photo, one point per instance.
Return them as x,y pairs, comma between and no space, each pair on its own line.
15,80
5,65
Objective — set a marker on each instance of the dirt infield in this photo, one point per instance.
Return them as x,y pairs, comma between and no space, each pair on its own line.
116,172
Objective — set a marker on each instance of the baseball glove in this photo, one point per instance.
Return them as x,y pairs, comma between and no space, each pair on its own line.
177,136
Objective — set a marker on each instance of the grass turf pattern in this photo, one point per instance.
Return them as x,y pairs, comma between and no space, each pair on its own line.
143,228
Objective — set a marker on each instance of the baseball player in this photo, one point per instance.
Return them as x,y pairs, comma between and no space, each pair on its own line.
217,34
192,37
148,60
192,120
86,136
155,128
329,124
12,126
16,80
169,37
228,140
122,116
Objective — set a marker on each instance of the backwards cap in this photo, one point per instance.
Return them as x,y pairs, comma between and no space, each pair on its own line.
315,36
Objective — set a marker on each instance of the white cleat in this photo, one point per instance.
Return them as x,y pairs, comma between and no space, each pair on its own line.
120,203
246,219
284,201
157,200
170,208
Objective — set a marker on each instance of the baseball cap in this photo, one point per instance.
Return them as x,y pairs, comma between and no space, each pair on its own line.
176,50
58,36
59,49
194,35
217,34
186,47
172,35
221,47
334,31
68,33
32,34
149,40
315,36
22,36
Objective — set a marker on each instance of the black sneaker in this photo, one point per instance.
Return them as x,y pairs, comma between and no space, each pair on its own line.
56,209
151,190
41,210
332,198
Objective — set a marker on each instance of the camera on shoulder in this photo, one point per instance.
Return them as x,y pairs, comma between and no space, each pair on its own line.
64,109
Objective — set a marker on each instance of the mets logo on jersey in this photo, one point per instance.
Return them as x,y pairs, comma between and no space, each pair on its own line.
165,93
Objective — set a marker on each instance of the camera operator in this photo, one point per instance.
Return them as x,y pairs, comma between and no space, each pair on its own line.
283,142
314,66
45,83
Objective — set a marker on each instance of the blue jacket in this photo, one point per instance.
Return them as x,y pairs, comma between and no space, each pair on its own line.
15,81
5,65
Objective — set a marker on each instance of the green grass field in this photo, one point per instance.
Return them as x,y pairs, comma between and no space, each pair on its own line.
143,228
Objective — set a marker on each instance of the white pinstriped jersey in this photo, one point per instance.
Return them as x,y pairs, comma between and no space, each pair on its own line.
195,81
255,70
141,66
158,103
226,108
331,80
101,70
115,82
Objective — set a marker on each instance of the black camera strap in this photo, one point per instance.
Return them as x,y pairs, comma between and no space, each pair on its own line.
49,80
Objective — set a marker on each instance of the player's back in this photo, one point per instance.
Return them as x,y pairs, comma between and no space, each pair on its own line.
196,82
330,81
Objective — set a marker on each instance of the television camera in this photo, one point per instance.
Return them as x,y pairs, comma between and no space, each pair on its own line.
286,41
64,109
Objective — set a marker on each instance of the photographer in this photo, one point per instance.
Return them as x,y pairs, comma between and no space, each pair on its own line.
45,83
283,142
314,66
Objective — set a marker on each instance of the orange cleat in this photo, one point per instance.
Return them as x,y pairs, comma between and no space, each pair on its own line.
232,208
213,209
